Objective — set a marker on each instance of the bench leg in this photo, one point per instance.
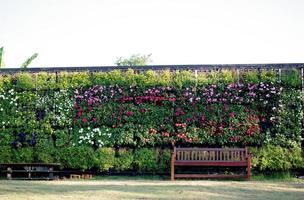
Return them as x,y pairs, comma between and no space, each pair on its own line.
172,167
51,174
248,168
9,173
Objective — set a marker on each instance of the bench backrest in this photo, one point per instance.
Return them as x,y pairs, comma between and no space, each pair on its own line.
211,154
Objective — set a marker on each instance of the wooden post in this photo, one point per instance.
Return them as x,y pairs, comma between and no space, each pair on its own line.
51,174
29,172
248,165
173,154
9,173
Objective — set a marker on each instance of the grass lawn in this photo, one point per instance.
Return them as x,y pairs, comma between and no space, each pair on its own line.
134,188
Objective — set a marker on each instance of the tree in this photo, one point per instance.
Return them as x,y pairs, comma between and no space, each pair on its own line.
29,60
134,60
1,57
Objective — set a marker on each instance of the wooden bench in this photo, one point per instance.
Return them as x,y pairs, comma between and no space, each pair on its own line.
30,171
221,157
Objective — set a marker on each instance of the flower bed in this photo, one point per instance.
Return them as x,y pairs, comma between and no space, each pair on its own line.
48,117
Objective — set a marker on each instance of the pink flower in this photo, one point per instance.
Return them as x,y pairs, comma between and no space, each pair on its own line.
79,113
232,115
90,102
165,134
84,120
93,119
225,107
172,99
129,113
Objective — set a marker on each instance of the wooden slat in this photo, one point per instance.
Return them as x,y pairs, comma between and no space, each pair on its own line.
36,178
209,154
209,176
209,149
25,171
30,164
209,163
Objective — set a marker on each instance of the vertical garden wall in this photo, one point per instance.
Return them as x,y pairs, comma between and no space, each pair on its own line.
129,119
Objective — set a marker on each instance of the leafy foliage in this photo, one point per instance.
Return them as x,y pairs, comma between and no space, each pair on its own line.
1,57
277,158
145,159
134,60
28,61
124,160
79,118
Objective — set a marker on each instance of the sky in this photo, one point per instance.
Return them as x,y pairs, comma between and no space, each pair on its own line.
96,32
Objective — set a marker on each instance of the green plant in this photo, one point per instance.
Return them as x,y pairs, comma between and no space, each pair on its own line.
45,151
1,57
202,78
165,78
164,160
80,79
123,159
105,158
22,155
80,157
46,81
227,76
276,158
291,78
184,78
251,76
134,60
24,81
5,154
268,76
28,61
145,159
